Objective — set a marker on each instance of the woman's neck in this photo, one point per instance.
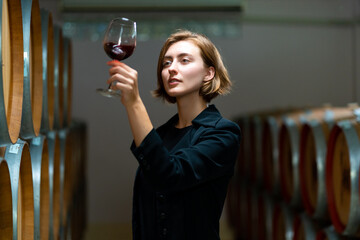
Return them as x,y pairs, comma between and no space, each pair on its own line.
188,109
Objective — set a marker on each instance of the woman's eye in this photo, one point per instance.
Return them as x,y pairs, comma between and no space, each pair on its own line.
185,60
166,63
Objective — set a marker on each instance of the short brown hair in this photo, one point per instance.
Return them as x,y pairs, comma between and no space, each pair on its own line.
219,85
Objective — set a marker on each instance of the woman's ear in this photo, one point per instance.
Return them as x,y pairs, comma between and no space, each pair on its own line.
209,74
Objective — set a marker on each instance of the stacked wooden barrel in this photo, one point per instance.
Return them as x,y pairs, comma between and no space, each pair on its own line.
42,149
297,175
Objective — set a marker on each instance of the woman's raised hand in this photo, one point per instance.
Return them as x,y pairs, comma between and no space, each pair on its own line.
125,79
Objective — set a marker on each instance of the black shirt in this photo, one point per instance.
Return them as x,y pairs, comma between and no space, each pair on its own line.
179,194
173,136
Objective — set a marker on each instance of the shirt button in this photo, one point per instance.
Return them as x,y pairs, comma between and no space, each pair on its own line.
141,157
162,216
164,232
161,197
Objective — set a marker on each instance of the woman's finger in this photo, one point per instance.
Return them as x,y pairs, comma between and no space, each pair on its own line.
129,73
123,87
116,63
113,63
120,78
119,70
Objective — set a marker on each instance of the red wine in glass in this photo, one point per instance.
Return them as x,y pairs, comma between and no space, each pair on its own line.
118,52
119,43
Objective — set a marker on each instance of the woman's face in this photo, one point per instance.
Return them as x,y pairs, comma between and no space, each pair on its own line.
183,70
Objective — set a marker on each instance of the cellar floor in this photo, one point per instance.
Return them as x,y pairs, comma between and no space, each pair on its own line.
123,231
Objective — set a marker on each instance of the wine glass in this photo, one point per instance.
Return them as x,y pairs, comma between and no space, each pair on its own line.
119,43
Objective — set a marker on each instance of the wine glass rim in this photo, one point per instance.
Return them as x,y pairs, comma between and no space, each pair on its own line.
123,19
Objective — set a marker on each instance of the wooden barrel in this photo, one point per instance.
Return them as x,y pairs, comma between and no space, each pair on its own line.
33,85
239,164
69,224
75,227
329,233
65,174
67,81
243,161
40,168
270,157
289,137
54,183
81,189
18,159
313,146
74,143
258,144
251,149
283,220
255,150
304,227
269,207
48,103
312,163
246,210
250,212
74,150
81,211
12,62
270,151
289,154
78,161
58,77
262,208
75,178
289,142
6,220
342,177
239,204
232,203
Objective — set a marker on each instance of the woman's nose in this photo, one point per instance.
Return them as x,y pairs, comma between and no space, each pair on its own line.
172,68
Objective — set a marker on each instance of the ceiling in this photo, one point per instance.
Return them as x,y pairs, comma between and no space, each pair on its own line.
88,19
152,5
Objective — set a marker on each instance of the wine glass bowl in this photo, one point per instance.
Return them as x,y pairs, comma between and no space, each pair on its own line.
119,43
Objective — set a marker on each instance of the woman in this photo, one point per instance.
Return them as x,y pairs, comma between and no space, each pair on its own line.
184,165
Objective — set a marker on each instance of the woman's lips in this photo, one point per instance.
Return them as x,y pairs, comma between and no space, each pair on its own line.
173,81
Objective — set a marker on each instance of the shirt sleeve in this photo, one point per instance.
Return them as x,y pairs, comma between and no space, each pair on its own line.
213,155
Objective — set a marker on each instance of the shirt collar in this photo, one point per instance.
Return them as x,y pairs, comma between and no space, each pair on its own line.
208,117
